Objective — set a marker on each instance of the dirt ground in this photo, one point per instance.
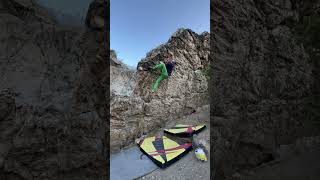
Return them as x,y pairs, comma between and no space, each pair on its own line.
188,167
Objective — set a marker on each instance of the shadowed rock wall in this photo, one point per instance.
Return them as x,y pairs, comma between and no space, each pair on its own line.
53,104
261,78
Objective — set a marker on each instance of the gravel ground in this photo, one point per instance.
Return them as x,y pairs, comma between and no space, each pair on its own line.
188,167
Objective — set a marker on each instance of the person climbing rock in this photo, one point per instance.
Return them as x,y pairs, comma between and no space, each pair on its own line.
166,70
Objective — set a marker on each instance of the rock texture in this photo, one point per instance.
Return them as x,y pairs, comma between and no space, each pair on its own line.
261,78
123,78
53,99
184,91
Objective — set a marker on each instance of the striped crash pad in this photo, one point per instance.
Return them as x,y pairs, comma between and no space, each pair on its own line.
163,151
184,130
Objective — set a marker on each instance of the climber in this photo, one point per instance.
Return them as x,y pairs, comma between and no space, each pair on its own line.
166,70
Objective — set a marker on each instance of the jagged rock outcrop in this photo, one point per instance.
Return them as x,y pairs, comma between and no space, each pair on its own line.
191,52
261,78
53,106
123,78
184,91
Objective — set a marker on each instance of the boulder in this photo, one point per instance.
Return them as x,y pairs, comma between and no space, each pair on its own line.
186,90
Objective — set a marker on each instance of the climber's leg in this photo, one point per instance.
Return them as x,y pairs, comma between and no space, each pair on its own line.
157,83
164,75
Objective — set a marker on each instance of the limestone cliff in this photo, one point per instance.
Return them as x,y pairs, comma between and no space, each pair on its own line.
178,95
122,77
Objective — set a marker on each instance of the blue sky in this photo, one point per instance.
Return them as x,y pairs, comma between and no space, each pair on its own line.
138,26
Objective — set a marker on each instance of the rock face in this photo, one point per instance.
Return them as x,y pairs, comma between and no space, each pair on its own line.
123,78
53,102
261,78
184,91
191,52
